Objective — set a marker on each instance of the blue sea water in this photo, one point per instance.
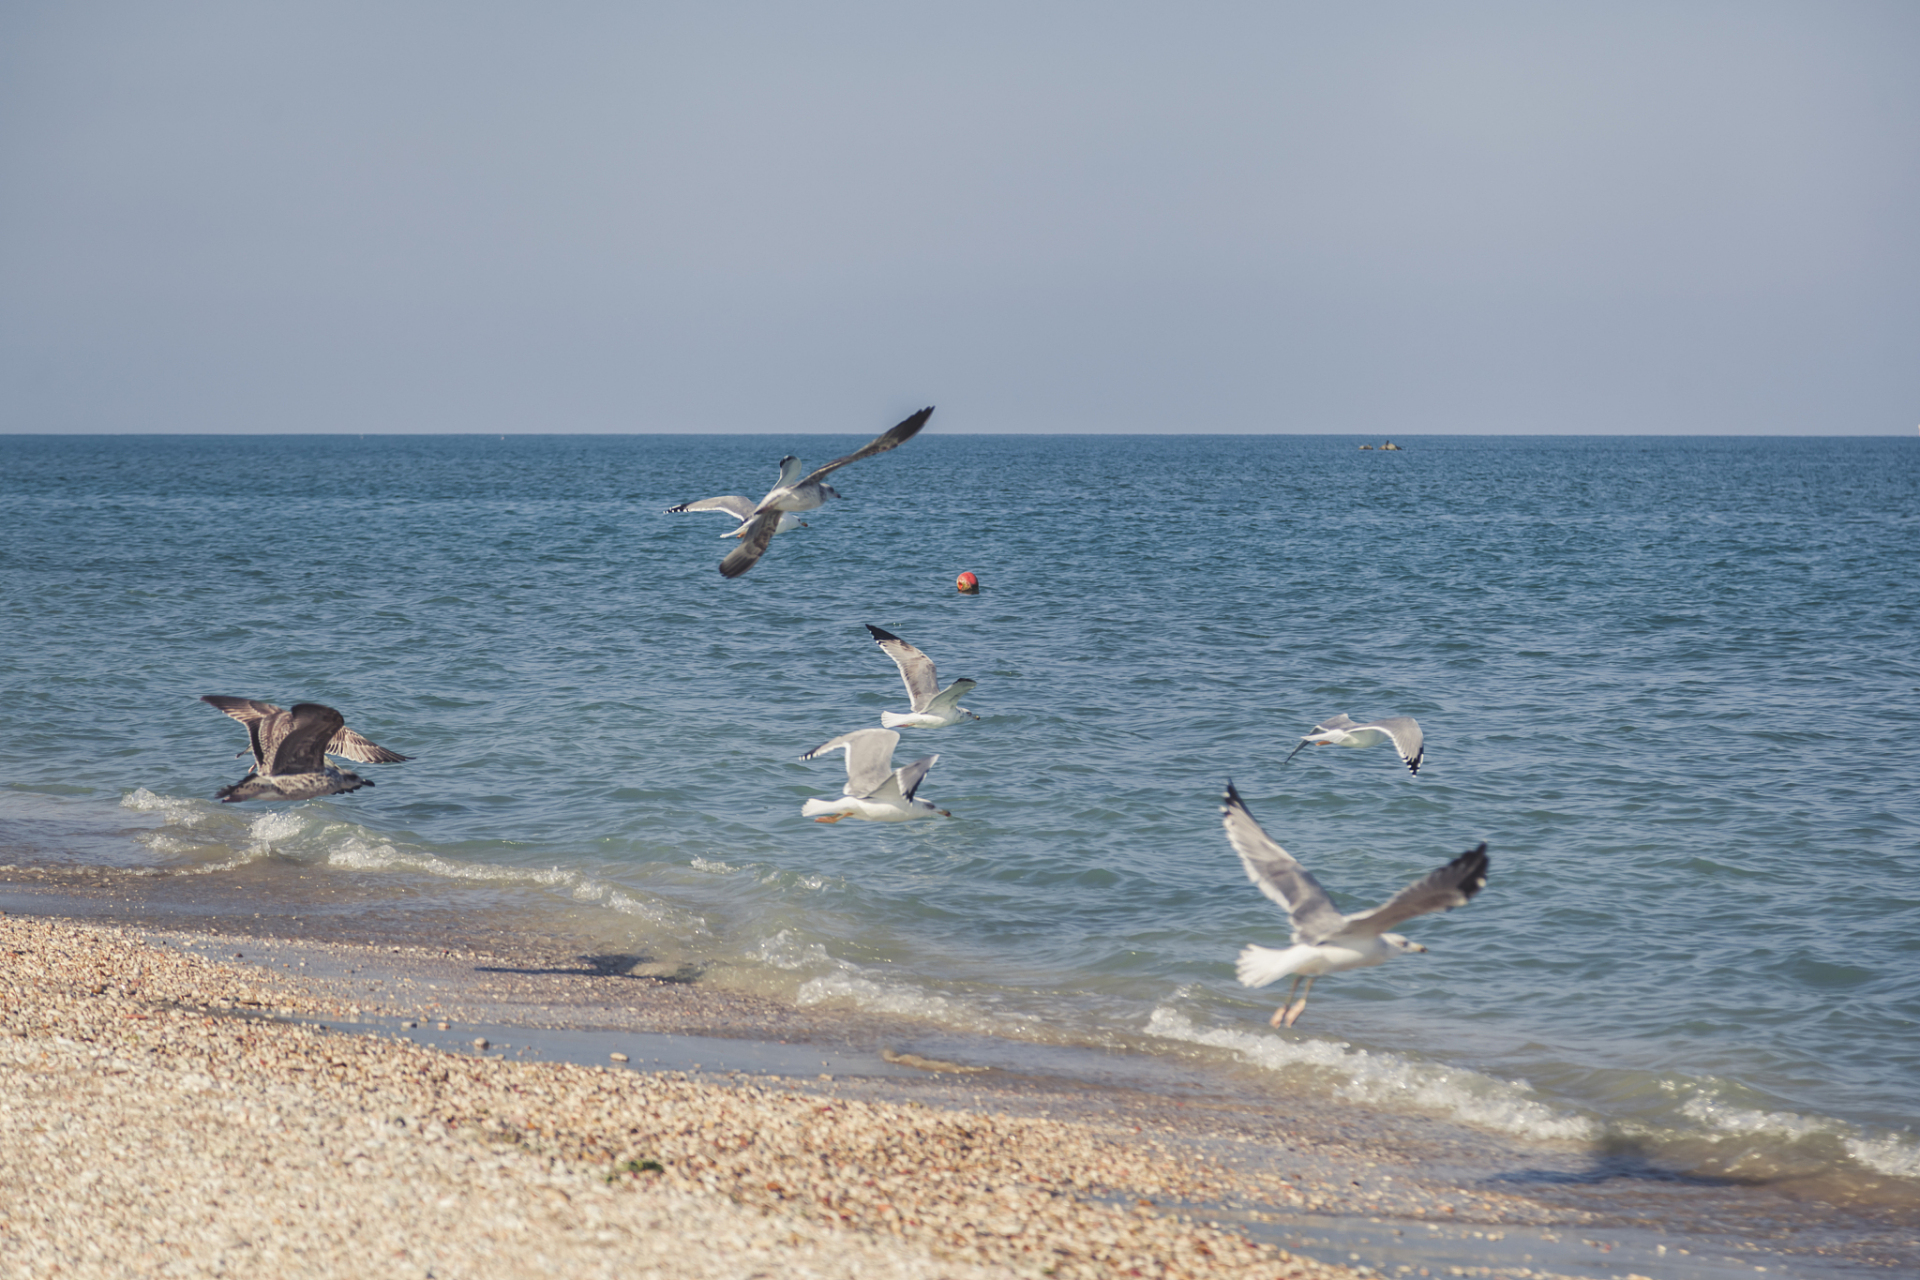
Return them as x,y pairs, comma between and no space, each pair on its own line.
1673,683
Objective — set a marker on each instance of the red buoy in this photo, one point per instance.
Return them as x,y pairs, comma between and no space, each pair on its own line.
968,584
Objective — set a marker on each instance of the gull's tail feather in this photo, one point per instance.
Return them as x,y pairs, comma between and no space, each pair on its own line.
1258,966
814,808
893,719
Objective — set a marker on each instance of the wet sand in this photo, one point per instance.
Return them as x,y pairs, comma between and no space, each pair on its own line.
225,1093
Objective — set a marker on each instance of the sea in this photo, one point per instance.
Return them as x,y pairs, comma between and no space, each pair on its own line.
1672,682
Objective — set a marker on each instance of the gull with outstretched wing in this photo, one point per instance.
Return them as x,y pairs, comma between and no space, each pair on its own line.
931,706
805,493
290,750
875,790
1340,731
741,507
1325,940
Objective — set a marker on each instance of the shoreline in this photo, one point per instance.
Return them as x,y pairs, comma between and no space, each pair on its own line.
550,1021
146,1089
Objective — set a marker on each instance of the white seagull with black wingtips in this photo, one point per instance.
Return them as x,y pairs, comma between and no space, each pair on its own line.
741,507
932,706
875,790
1324,940
806,493
1402,731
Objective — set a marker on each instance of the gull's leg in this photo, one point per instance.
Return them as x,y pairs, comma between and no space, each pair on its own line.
1281,1012
1294,1011
832,817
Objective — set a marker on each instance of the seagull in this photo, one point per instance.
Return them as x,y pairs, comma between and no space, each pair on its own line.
875,790
1324,940
805,493
741,508
1340,731
255,715
933,707
290,751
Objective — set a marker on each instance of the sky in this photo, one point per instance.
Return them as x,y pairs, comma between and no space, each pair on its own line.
1377,218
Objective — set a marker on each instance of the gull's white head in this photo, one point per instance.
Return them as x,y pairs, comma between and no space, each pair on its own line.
1400,942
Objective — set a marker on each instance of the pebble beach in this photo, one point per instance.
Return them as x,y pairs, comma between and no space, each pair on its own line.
155,1122
256,1099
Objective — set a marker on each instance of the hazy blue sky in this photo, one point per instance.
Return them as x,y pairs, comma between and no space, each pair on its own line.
1387,218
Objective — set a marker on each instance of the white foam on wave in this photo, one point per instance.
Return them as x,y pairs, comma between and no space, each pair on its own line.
878,997
1388,1079
175,811
160,842
835,980
1723,1117
600,893
712,866
357,853
1892,1154
283,824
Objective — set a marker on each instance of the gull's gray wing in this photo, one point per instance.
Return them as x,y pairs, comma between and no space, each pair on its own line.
950,695
916,668
733,504
869,758
354,747
1279,876
753,544
1407,739
1451,886
249,713
899,435
908,777
789,472
296,741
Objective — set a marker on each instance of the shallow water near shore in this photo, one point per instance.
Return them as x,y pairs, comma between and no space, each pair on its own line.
1665,679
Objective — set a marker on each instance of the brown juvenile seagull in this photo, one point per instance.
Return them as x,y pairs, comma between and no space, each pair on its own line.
805,493
1325,940
290,750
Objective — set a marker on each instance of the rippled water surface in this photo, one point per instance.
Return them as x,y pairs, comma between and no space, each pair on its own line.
1672,682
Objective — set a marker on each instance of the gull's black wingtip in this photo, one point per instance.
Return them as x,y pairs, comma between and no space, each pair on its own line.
880,635
1477,864
911,424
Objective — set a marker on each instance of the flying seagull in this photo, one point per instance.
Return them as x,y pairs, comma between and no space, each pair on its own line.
290,751
1324,940
933,707
741,508
1340,731
805,493
254,715
875,790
